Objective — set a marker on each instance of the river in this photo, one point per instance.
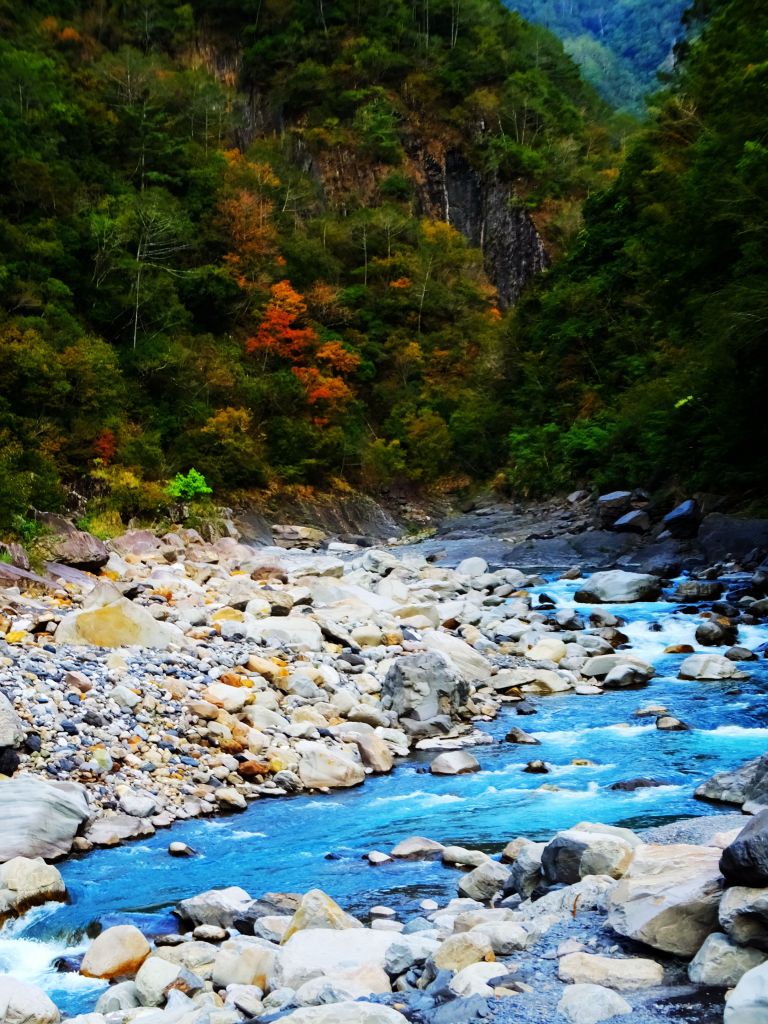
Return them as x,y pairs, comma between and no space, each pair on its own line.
320,841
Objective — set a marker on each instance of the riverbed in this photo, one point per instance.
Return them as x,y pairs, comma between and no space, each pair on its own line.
320,841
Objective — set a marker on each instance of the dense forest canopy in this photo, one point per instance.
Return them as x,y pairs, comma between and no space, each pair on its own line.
641,358
213,249
620,45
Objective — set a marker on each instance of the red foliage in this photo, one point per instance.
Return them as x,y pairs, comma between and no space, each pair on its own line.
105,446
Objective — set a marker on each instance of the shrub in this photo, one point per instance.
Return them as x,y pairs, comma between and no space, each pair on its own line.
188,487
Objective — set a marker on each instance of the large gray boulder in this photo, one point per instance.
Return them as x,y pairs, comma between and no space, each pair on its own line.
619,587
668,898
722,962
39,819
66,544
745,861
423,686
216,906
749,783
21,1003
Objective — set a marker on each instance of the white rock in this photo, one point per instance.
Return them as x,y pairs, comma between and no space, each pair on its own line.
625,975
589,1004
294,631
39,819
321,767
748,1003
345,1013
21,1003
454,762
473,979
709,666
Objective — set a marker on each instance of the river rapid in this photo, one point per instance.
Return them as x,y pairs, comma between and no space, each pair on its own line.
320,841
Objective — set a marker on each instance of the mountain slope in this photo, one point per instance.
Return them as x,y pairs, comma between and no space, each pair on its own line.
274,241
640,359
620,46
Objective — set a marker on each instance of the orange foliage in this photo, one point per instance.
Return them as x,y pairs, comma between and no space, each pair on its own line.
70,35
337,357
277,334
320,388
50,24
105,446
401,282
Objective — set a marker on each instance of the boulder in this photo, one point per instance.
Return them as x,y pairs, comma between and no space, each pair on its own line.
423,686
472,666
417,848
454,762
322,767
460,950
668,897
12,731
216,906
626,975
29,882
683,521
709,666
122,996
21,1003
749,783
108,619
579,852
485,882
636,521
116,953
526,870
345,1013
748,1003
745,861
475,979
472,567
612,505
318,910
294,631
721,962
619,587
744,916
155,978
717,632
66,544
374,752
244,960
590,1004
326,952
39,819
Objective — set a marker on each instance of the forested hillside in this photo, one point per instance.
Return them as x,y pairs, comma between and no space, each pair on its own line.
620,45
226,240
641,358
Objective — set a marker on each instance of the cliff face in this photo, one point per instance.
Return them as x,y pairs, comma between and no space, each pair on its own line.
483,208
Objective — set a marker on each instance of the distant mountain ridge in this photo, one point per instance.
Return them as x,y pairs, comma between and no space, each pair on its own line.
620,45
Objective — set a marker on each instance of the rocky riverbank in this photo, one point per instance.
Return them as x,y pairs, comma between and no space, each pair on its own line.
598,923
192,677
186,677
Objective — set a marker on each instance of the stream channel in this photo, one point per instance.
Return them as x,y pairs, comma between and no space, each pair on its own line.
298,843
